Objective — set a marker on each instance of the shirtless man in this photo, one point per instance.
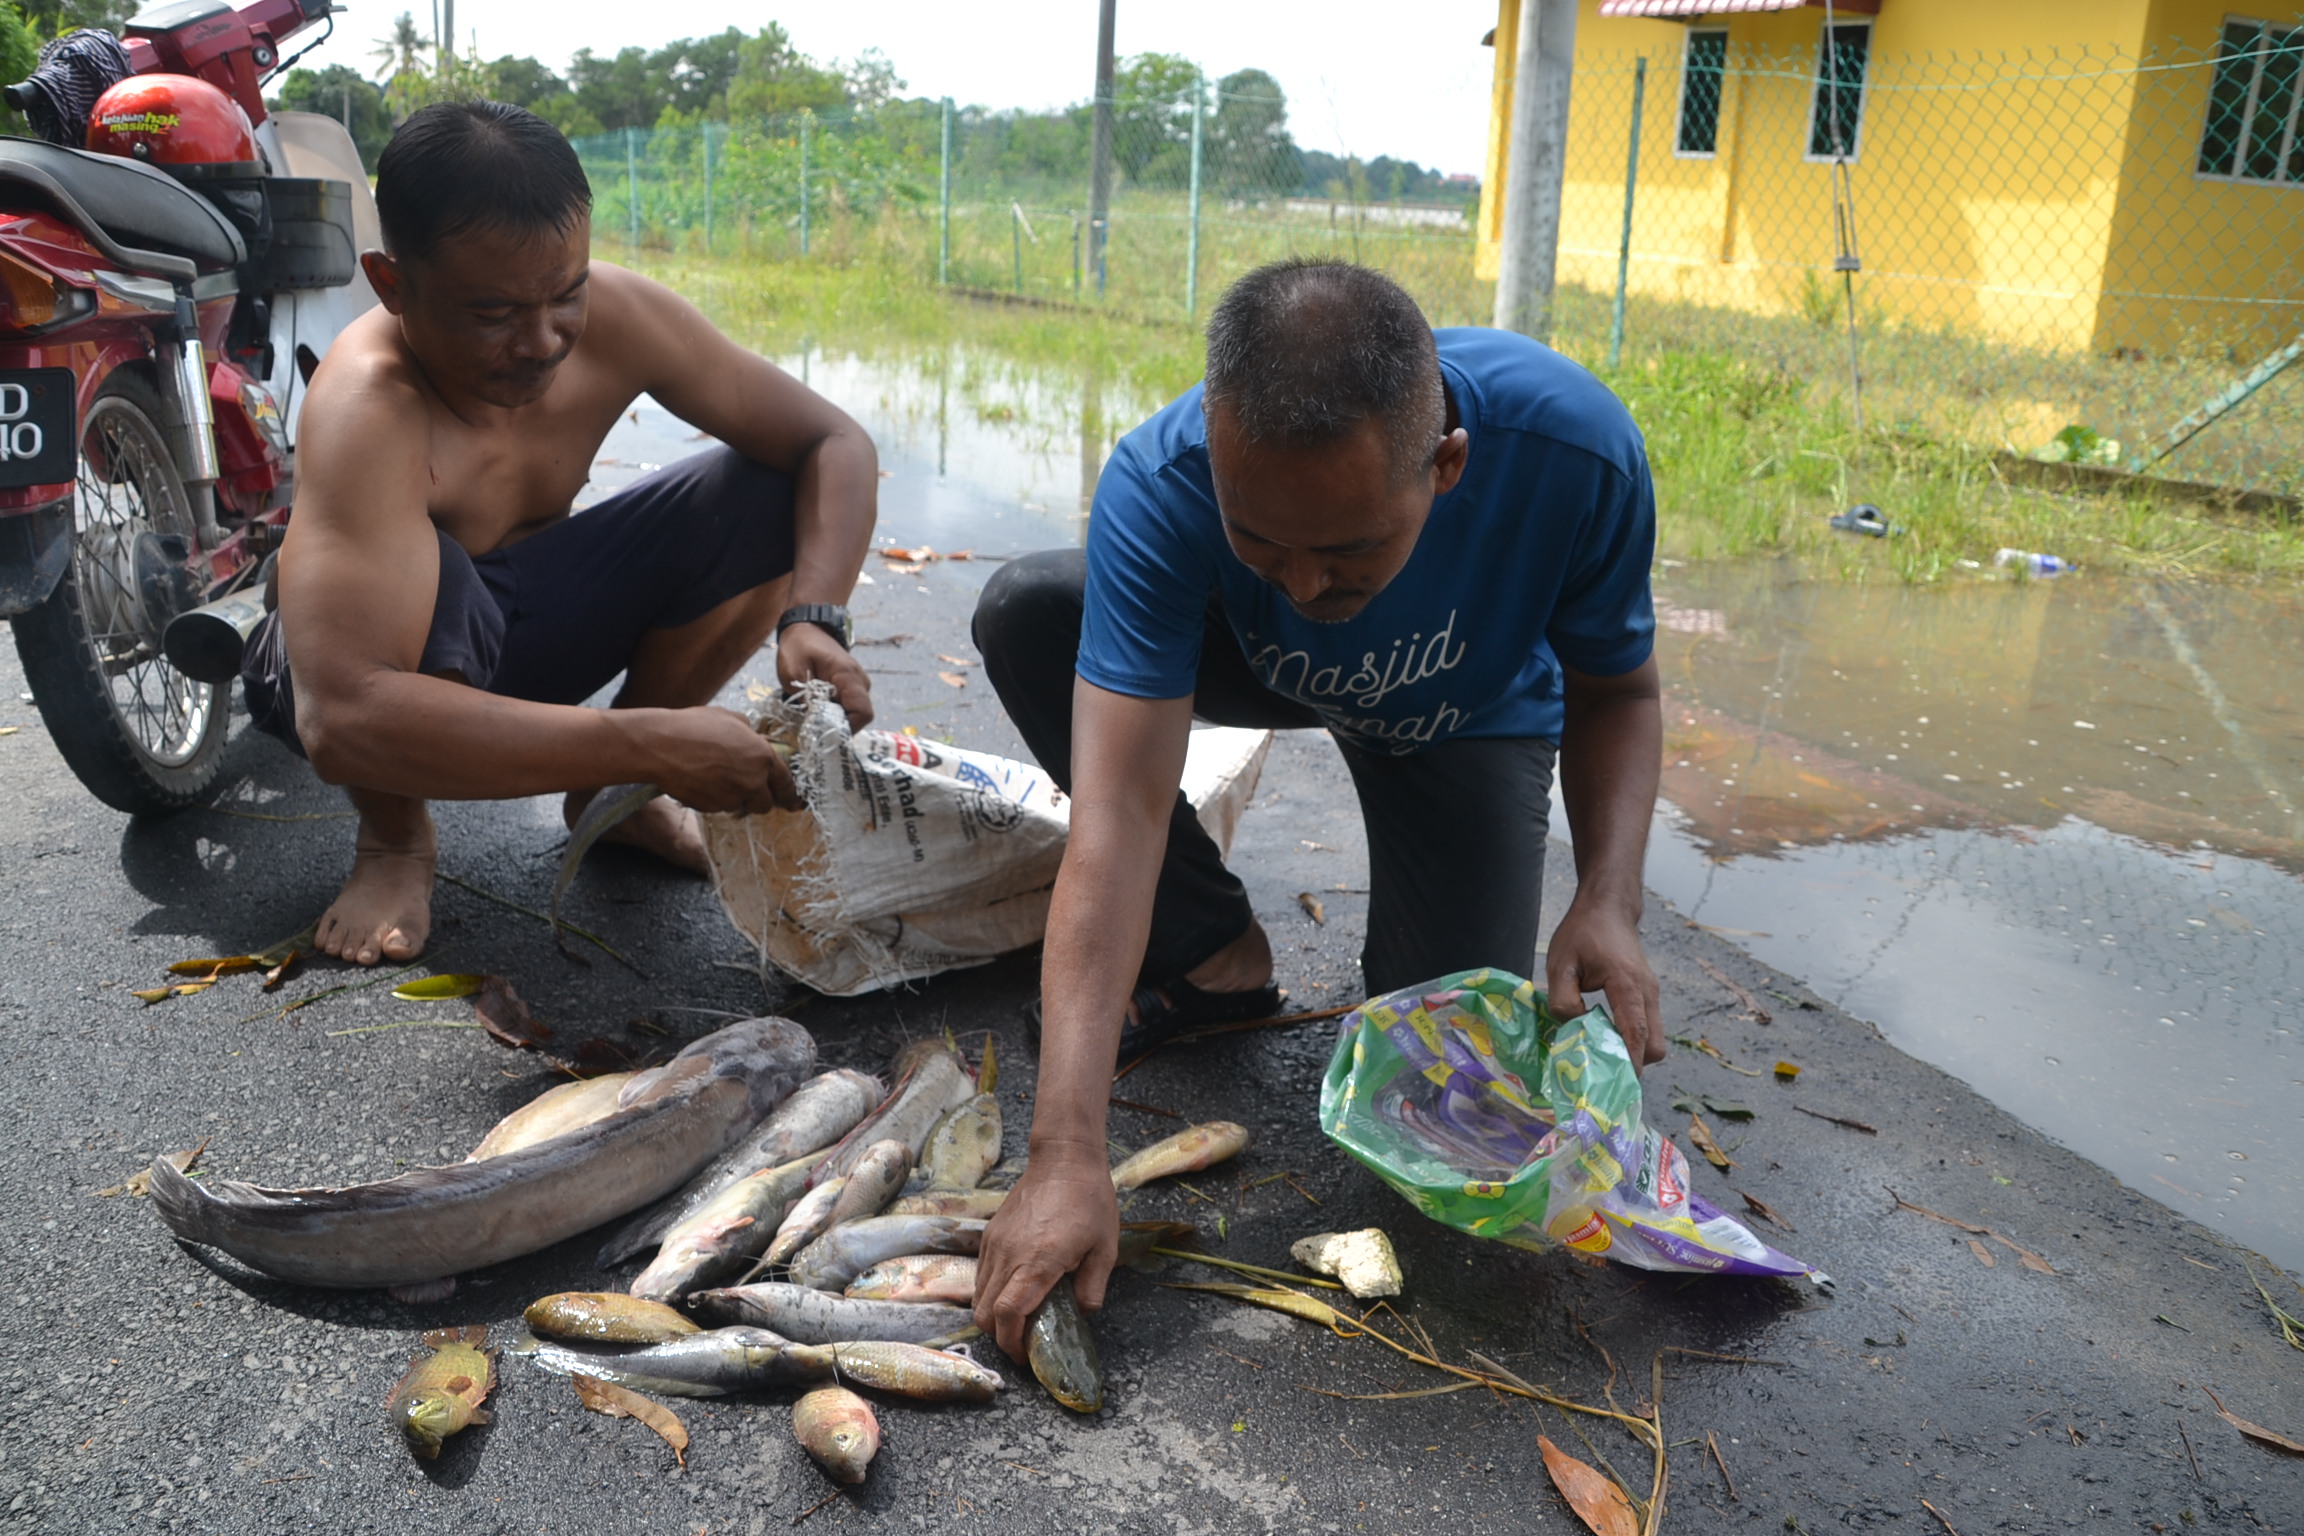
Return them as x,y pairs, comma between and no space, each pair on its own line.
440,613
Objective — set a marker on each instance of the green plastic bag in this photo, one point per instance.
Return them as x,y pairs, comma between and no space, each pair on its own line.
1429,1088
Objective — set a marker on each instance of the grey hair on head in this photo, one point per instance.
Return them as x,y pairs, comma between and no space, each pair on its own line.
1303,351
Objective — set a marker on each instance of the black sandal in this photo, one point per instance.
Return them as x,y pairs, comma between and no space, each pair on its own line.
1176,1008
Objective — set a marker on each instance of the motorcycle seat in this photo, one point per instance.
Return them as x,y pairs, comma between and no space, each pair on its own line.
132,204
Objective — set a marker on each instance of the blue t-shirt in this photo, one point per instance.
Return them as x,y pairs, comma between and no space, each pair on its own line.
1539,556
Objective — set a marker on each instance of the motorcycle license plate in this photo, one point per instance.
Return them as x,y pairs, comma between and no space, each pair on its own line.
37,418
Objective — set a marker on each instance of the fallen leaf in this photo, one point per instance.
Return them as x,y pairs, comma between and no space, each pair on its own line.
209,970
988,1073
506,1018
435,989
1760,1015
958,661
2255,1432
9,730
599,1056
954,679
279,973
920,556
1786,1071
287,949
904,570
1599,1503
961,554
1726,1109
151,995
139,1183
1983,1254
622,1403
1700,1135
1312,907
1765,1211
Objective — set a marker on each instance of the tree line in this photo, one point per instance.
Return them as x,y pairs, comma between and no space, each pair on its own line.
1247,148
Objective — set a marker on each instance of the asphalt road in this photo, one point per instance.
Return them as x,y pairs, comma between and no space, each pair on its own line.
152,1387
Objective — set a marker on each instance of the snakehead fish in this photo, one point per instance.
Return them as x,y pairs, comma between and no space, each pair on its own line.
442,1391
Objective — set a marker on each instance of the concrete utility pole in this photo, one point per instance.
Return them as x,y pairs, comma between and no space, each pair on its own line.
1536,159
447,37
1100,151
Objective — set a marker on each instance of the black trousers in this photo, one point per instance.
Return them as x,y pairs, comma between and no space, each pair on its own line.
1456,832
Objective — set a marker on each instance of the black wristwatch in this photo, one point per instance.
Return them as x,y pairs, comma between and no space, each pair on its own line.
829,617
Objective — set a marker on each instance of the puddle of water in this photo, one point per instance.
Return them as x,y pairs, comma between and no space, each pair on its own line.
2048,837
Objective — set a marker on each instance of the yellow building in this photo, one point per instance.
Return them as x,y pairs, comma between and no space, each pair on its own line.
2121,175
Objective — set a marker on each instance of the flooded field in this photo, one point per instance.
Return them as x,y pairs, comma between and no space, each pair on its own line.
2049,837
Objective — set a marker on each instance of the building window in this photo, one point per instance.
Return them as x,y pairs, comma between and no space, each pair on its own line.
1836,116
2252,98
1702,66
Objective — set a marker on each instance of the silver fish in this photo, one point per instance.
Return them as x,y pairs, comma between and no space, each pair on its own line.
820,1317
722,1238
806,1222
709,1364
918,1277
964,1145
935,1082
879,1173
433,1223
820,1112
607,809
843,1253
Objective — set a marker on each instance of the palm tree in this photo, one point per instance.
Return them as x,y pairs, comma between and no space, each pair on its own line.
398,52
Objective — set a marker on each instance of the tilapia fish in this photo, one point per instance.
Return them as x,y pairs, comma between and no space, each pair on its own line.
843,1253
946,1277
1188,1151
820,1112
554,1112
606,1317
964,1145
934,1081
442,1391
432,1223
819,1317
1063,1354
709,1364
722,1238
878,1174
838,1431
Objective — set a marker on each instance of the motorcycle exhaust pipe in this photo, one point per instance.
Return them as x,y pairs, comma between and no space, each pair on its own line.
207,643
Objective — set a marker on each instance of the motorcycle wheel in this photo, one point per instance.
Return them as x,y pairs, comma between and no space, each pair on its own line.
142,736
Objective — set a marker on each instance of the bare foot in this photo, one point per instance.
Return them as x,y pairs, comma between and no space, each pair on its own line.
662,827
384,911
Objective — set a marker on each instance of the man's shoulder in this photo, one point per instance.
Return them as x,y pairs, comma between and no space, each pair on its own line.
367,375
1523,387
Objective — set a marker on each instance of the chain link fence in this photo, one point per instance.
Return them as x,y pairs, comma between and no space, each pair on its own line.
2078,256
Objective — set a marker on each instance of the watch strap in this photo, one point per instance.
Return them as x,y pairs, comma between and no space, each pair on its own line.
829,617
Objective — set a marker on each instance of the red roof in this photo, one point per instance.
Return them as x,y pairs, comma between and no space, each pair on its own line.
1669,8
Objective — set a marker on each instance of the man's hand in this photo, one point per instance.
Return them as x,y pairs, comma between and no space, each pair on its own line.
806,653
1062,1218
1597,949
717,762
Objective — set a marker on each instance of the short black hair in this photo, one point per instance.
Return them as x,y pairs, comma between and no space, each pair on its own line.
463,165
1303,351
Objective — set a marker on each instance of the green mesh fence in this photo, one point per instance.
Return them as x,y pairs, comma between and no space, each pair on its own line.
2076,255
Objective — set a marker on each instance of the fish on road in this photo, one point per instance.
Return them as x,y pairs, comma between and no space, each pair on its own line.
874,1181
1188,1151
964,1145
843,1253
934,1080
442,1391
709,1364
908,1370
606,1317
820,1112
554,1112
431,1224
1063,1354
726,1234
838,1431
946,1277
819,1317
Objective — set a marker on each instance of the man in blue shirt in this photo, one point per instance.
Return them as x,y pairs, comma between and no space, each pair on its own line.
1435,548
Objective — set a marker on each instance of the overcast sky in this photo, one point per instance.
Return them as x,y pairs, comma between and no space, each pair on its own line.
1361,77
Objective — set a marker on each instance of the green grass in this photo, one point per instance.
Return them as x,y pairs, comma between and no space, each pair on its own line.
1752,453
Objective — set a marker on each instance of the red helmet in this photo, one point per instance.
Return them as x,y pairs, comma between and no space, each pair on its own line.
170,120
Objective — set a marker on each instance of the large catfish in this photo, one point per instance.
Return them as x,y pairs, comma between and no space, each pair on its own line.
430,1224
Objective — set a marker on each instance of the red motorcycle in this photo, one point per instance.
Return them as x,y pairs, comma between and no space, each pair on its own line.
174,260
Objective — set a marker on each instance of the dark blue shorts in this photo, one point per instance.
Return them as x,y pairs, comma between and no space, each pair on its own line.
556,616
